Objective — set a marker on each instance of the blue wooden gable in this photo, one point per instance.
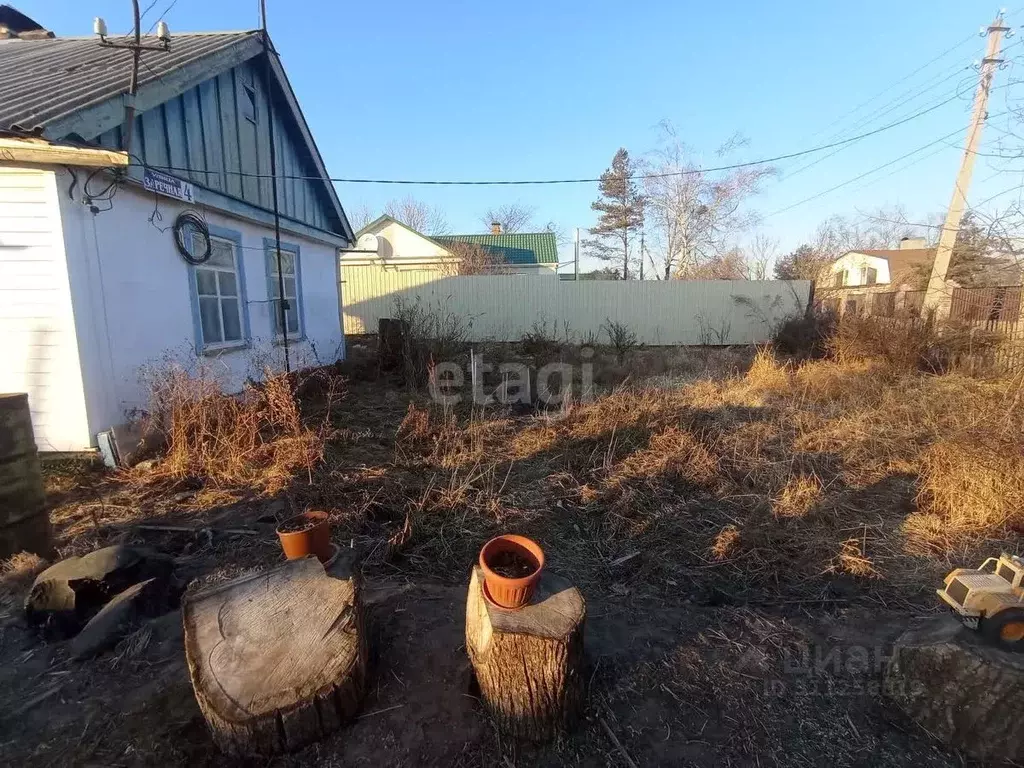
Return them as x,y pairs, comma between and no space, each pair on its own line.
218,130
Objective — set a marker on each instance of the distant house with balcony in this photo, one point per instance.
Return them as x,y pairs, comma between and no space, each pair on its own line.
879,281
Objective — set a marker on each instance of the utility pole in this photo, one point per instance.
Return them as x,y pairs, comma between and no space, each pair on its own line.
268,84
938,298
136,46
641,254
576,255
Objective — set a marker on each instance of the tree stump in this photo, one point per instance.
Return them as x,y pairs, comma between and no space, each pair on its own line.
528,663
277,659
966,693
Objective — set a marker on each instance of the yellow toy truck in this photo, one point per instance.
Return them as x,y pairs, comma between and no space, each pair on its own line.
990,599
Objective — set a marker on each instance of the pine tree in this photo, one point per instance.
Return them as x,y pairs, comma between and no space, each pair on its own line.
621,209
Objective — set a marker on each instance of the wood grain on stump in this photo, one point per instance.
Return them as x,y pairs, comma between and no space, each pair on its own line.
277,659
964,692
528,663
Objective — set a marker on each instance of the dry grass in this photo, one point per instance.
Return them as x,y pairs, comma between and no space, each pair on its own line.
851,560
257,439
971,489
16,574
726,542
766,482
800,495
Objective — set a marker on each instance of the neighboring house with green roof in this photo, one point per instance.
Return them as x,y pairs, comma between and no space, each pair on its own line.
391,244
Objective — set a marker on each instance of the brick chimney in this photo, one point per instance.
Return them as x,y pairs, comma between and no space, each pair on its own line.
495,227
912,243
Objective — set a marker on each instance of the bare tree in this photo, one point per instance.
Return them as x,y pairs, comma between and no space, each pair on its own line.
360,216
475,259
883,229
418,215
730,264
692,214
513,217
761,254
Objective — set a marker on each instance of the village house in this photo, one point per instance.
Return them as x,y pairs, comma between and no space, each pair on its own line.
389,244
174,252
879,281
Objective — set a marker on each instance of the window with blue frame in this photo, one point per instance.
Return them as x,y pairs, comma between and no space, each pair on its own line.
217,285
283,274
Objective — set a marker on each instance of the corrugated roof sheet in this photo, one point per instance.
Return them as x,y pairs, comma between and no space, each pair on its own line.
514,248
42,81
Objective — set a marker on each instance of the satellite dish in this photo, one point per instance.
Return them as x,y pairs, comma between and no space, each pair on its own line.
368,242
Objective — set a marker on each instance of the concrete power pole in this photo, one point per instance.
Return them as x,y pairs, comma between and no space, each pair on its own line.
938,296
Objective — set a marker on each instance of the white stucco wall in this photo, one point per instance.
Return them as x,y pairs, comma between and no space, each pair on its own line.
131,298
853,263
38,346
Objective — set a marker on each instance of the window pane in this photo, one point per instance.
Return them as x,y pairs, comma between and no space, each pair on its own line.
221,254
275,286
206,282
276,309
287,262
289,287
228,285
232,322
209,315
293,318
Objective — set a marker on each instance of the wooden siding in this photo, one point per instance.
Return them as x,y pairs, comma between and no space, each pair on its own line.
205,131
38,344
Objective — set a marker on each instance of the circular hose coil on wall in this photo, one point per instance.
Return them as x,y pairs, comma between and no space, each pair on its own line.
190,229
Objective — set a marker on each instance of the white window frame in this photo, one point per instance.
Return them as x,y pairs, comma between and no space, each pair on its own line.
239,298
273,286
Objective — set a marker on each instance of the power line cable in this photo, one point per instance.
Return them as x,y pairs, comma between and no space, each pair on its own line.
899,101
523,182
142,16
862,175
162,16
801,169
888,88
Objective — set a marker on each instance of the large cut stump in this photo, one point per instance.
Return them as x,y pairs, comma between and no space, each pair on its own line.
528,663
277,659
966,693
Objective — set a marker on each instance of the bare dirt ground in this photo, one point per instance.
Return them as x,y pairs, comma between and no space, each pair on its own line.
749,543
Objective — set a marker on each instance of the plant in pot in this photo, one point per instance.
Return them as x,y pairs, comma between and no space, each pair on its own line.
308,533
512,566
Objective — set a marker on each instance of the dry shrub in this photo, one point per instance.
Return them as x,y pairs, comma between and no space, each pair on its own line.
431,333
800,495
415,427
726,543
805,337
256,438
971,489
911,344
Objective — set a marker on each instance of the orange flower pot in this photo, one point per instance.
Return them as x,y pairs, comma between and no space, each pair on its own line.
512,566
306,534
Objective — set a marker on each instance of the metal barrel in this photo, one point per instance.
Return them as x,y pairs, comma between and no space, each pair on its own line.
24,520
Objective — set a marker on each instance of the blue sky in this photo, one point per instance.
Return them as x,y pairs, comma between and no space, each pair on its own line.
474,90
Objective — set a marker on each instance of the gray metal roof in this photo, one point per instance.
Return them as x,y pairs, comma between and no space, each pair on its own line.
43,81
